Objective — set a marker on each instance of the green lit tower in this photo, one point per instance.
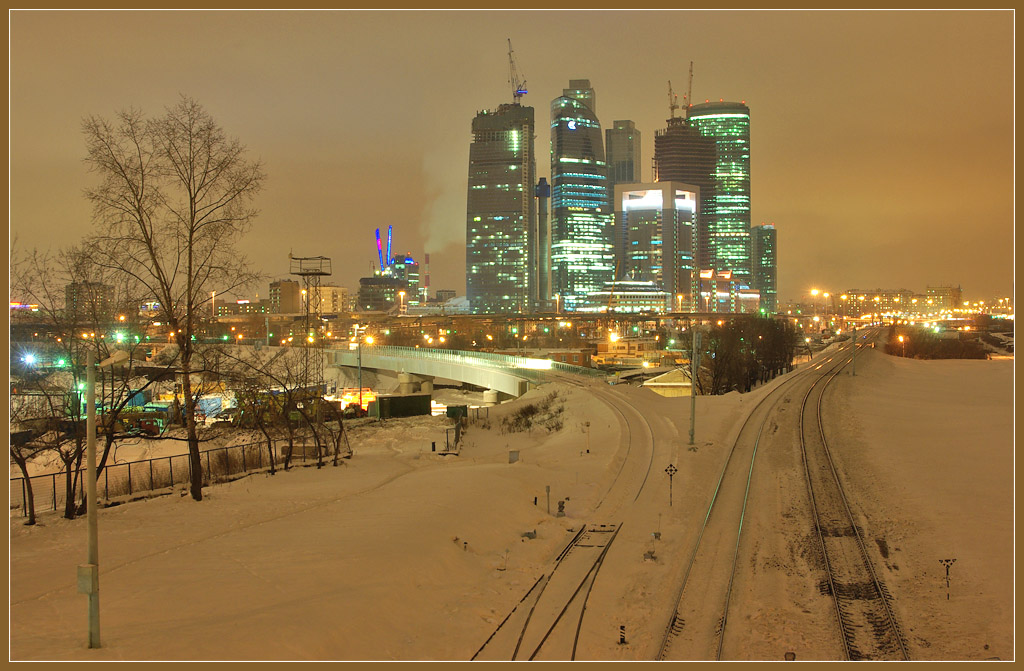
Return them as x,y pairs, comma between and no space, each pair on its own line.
728,228
582,257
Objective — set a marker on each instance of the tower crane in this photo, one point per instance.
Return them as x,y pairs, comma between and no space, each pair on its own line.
689,89
518,85
673,101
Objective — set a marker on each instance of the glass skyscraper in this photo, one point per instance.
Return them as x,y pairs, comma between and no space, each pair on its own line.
765,265
501,214
582,258
622,142
728,125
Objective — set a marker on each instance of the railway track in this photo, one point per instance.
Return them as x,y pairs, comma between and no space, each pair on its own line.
867,624
696,628
547,624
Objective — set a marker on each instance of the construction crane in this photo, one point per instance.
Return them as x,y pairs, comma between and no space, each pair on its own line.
673,101
518,86
689,89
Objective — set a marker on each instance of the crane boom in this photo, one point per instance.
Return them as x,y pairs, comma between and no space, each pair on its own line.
673,101
518,85
689,89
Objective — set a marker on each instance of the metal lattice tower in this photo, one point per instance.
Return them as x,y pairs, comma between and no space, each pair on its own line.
311,269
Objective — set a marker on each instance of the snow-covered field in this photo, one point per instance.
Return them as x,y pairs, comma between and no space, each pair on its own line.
397,553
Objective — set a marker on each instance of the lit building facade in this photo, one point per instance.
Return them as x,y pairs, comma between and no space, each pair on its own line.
720,291
501,214
333,299
408,271
582,257
764,254
654,236
944,297
728,125
858,303
627,295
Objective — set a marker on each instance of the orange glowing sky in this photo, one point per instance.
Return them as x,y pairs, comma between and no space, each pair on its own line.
882,142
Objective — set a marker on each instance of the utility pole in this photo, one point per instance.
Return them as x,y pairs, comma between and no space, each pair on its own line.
853,359
694,371
89,574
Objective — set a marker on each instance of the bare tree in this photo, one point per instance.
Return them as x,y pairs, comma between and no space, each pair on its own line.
174,199
102,319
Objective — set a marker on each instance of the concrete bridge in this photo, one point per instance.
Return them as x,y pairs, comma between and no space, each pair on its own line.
512,375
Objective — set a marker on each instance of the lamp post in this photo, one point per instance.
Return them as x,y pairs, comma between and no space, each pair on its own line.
359,360
903,341
814,301
401,303
88,575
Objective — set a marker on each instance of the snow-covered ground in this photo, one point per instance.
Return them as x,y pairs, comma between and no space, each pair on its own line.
396,554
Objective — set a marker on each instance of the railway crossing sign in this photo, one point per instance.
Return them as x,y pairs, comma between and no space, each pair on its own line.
671,470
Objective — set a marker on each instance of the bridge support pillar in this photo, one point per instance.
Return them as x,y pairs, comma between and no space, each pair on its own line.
411,384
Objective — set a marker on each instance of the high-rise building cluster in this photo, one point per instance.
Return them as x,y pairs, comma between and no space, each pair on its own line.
598,237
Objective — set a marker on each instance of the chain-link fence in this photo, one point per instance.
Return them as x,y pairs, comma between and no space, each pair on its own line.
125,479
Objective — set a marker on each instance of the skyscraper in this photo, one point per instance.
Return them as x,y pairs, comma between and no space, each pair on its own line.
501,210
541,248
682,154
728,125
765,265
622,142
581,212
655,225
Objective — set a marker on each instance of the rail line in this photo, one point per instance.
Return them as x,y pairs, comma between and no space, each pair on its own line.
700,632
538,630
570,581
867,625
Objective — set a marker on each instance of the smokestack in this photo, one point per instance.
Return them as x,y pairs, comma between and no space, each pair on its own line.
426,276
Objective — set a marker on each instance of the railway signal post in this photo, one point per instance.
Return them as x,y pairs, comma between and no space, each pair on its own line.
671,470
947,563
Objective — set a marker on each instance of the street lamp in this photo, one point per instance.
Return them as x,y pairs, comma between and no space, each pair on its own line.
814,301
401,305
359,358
903,341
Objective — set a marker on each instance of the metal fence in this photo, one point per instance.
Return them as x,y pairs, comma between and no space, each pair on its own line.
116,480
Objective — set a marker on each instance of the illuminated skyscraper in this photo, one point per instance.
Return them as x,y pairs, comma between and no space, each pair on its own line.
765,269
501,212
728,125
655,225
581,210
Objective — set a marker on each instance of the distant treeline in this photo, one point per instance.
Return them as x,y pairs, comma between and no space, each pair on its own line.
743,351
923,343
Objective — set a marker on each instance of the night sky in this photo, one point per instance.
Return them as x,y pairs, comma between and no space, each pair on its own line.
881,142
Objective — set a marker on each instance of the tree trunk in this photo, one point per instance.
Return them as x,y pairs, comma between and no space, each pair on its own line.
196,484
30,499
